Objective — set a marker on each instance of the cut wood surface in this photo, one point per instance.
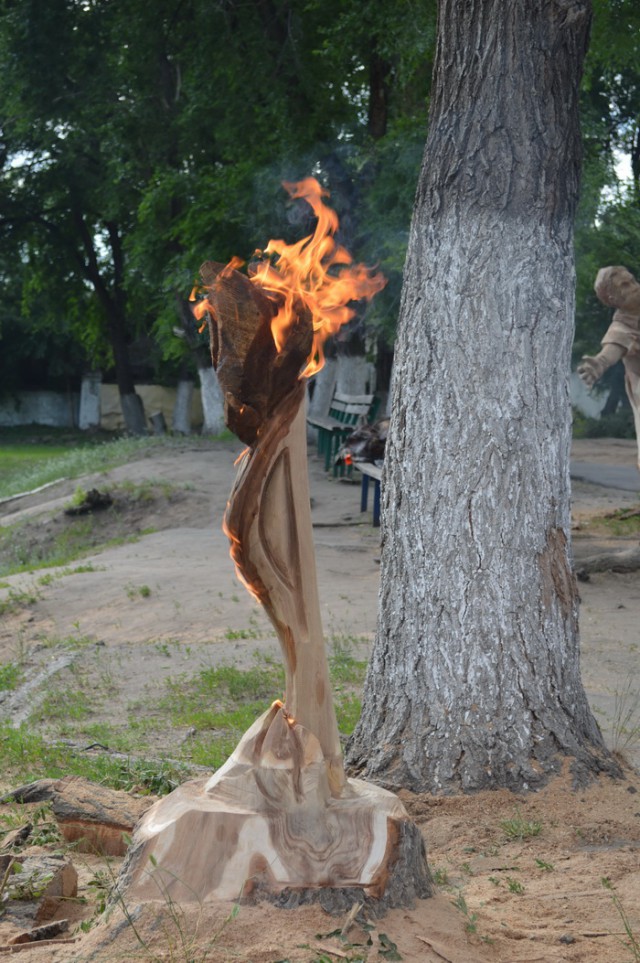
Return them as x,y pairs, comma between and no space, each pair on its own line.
267,825
51,879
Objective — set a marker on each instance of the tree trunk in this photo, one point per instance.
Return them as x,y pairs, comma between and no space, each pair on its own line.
475,679
212,401
181,420
355,375
210,391
113,301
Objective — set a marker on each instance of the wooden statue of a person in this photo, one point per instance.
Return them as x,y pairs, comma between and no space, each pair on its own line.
617,288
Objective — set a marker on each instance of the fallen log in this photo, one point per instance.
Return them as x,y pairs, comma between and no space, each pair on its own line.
93,817
627,560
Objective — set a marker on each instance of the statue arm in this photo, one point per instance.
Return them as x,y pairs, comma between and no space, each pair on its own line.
591,369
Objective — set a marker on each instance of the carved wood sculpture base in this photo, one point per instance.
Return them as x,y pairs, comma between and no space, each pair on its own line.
266,826
279,820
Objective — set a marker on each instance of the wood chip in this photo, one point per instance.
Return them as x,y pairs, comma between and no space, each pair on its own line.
433,948
351,915
332,951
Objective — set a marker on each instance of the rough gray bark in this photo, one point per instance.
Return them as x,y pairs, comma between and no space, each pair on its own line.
475,680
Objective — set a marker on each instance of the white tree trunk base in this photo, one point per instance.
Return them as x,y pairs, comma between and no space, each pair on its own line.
266,826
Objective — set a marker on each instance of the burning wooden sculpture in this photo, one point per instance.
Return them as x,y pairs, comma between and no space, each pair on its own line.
280,817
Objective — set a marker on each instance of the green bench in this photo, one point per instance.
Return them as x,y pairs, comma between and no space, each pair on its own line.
345,413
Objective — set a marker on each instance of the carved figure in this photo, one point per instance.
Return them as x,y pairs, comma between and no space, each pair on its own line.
617,288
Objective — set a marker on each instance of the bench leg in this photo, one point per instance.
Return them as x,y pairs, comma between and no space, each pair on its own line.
376,505
364,496
328,451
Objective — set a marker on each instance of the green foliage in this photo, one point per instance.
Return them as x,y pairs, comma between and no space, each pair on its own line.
44,826
122,171
618,425
514,885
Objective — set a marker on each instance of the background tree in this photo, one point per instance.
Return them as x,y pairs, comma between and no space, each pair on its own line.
474,680
138,142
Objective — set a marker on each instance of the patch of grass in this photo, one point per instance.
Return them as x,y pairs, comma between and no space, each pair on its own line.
514,885
64,705
146,491
232,634
621,521
26,755
110,737
17,599
220,704
344,668
25,465
49,577
44,826
519,828
440,876
10,676
471,919
20,551
625,725
138,591
632,942
348,708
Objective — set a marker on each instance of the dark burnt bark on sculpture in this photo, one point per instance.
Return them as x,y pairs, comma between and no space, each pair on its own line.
253,375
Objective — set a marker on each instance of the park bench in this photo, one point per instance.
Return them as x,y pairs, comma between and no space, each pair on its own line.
370,471
345,413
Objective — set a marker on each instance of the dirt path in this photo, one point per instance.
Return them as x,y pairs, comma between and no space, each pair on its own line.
169,603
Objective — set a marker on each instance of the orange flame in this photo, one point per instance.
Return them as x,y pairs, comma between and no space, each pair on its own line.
303,273
316,273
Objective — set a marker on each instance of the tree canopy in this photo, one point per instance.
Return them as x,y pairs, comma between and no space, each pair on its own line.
138,140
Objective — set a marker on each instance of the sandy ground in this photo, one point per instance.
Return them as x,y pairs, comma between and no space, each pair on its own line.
498,899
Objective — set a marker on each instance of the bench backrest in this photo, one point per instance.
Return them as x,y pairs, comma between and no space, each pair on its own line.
350,409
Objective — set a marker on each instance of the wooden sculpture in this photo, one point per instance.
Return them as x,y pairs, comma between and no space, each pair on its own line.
279,818
617,288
